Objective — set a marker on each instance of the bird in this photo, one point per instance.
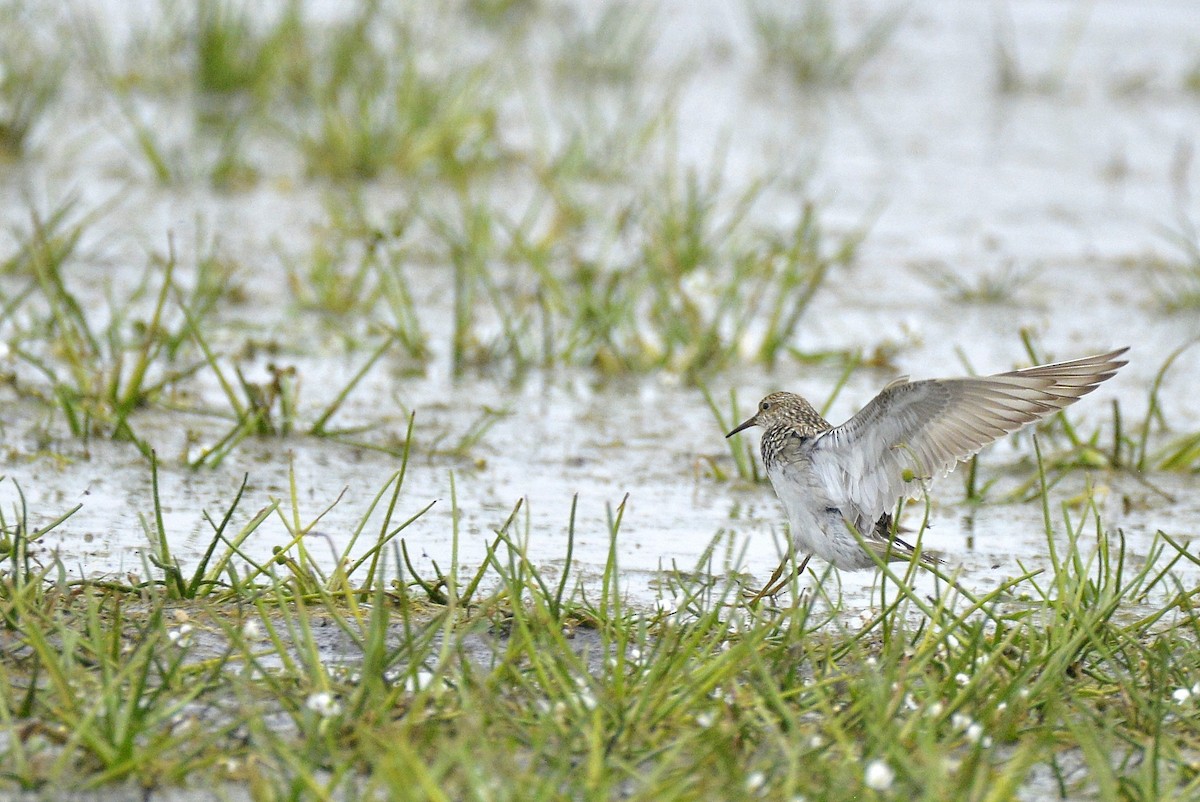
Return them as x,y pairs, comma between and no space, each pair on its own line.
835,481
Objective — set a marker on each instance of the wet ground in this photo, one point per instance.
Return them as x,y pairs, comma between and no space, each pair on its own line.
1070,187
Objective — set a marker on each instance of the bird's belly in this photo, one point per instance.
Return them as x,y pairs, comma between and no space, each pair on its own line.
816,520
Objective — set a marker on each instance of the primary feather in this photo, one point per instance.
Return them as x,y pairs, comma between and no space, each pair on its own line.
915,431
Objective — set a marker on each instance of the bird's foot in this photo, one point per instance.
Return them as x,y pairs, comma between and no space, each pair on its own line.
776,583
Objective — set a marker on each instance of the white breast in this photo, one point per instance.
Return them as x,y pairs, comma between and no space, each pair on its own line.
808,507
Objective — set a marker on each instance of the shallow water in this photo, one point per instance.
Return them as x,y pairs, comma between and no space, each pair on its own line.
1071,186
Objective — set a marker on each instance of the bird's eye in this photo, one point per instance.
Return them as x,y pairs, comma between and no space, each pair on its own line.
765,405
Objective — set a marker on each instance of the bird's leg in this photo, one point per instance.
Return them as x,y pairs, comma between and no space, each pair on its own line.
775,583
755,596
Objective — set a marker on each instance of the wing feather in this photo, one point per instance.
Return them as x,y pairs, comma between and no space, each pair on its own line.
914,431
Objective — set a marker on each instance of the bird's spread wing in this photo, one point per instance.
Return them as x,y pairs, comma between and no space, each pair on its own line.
914,431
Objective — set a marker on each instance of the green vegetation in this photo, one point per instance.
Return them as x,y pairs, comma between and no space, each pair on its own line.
805,44
31,73
507,680
1191,78
1012,76
1178,280
997,286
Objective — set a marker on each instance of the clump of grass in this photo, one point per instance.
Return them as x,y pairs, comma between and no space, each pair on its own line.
242,66
1011,77
214,573
208,573
375,111
611,50
29,83
586,140
1178,280
97,376
213,152
804,43
687,283
1191,78
271,408
459,444
407,124
498,13
742,450
1181,453
236,54
20,570
101,368
998,286
354,268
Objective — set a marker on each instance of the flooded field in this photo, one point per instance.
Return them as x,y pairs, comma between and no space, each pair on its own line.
1068,197
546,239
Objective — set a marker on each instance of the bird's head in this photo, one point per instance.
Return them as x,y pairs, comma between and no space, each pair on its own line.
780,408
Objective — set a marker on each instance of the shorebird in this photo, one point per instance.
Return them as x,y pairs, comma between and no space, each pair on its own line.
834,481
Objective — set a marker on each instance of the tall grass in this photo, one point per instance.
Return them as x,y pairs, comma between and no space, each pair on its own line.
1063,680
31,75
682,285
805,43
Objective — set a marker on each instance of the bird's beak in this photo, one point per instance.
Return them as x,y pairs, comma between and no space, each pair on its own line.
749,422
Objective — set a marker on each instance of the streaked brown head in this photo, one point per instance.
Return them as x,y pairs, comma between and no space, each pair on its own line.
784,409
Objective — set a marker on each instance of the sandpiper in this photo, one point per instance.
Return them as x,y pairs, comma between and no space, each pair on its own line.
835,478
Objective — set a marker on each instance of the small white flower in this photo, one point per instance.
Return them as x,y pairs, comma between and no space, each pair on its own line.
961,679
974,733
909,702
1181,695
323,704
816,742
251,630
878,776
1196,689
1000,708
587,700
180,637
755,780
961,721
706,719
935,709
